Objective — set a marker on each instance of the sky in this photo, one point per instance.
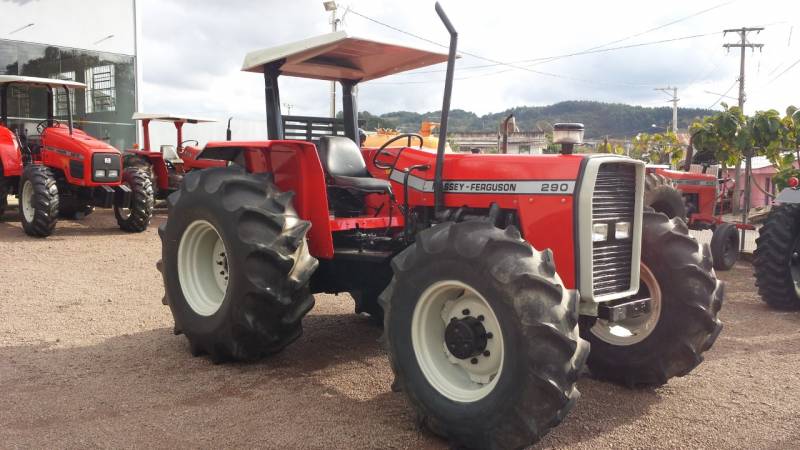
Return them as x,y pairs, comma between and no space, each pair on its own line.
192,53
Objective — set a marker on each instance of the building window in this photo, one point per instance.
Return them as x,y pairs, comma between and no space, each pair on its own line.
101,94
60,97
525,148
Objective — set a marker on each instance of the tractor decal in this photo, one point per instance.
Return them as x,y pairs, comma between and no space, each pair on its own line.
695,182
61,151
522,187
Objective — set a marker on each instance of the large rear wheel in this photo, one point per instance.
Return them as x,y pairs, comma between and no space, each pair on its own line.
482,335
682,323
38,201
777,258
235,264
661,195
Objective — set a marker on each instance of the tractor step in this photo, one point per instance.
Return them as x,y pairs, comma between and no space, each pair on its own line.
628,309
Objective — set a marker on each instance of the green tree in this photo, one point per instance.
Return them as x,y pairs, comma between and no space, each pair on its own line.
657,148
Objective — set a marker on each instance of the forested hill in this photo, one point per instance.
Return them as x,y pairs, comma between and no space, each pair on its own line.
613,119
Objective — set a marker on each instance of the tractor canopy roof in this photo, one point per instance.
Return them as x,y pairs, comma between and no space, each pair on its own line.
169,118
40,82
338,56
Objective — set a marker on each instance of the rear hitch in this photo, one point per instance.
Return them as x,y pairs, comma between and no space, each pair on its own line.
627,309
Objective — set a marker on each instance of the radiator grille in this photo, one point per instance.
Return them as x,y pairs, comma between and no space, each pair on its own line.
613,200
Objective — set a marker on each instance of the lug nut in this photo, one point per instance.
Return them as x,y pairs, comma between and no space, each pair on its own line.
474,360
489,335
222,272
465,312
480,317
486,353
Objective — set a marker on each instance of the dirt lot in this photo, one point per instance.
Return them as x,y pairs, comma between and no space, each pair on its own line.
88,359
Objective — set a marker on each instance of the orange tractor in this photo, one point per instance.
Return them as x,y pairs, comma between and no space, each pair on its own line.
492,274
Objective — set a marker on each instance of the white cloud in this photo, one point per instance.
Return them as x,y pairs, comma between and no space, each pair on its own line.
192,52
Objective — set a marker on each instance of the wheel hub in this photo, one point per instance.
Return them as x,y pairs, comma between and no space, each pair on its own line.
465,337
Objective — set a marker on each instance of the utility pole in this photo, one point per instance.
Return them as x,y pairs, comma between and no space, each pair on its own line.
674,105
743,44
332,6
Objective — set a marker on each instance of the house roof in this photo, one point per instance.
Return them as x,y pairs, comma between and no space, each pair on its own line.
339,56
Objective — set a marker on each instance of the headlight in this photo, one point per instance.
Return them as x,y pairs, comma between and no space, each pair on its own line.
112,173
622,231
99,173
599,232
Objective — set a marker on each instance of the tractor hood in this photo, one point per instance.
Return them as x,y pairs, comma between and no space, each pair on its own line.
78,142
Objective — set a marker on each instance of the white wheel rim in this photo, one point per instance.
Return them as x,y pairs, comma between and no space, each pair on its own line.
27,201
635,330
459,380
203,268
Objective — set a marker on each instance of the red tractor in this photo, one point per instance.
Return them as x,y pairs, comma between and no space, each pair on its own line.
168,165
62,171
492,274
696,197
777,255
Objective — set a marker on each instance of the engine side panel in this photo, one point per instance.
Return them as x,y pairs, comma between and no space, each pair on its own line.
540,188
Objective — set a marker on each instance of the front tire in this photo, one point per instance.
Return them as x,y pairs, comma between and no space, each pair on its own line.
725,246
686,297
235,264
777,258
515,378
38,201
136,218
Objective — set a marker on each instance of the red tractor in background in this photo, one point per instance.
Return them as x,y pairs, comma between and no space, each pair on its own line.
168,165
696,197
62,171
486,333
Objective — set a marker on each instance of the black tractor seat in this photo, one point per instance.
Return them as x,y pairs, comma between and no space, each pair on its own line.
344,164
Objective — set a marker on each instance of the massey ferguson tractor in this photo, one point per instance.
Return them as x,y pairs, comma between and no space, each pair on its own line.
695,197
62,171
168,165
493,274
777,255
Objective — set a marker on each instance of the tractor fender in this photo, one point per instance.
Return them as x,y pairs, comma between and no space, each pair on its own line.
10,156
295,166
789,195
155,161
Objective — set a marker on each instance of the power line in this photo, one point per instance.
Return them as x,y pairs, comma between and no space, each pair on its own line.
784,71
495,62
724,95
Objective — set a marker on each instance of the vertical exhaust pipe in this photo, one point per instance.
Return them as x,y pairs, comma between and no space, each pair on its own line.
228,134
438,186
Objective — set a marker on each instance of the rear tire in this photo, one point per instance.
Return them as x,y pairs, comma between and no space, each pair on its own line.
38,201
248,231
725,246
136,218
660,195
457,271
777,258
686,322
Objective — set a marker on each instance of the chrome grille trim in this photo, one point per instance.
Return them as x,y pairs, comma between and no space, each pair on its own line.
611,190
613,200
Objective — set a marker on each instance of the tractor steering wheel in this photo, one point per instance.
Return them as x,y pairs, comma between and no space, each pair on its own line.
41,126
382,149
196,144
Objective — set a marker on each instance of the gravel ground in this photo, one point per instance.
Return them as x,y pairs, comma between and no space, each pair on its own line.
88,359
